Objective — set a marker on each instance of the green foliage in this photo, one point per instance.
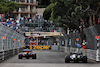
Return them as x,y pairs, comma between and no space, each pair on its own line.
43,3
7,7
78,8
53,1
48,11
94,5
58,10
71,13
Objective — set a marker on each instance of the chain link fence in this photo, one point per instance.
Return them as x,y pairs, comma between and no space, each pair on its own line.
67,42
91,33
11,42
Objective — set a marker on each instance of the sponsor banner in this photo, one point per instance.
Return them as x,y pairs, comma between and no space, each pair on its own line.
39,47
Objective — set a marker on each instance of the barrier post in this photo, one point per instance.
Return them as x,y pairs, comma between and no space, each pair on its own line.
69,44
97,52
22,43
77,40
18,45
4,38
14,45
3,50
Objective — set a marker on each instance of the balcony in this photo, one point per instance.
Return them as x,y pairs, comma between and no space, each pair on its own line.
26,2
25,11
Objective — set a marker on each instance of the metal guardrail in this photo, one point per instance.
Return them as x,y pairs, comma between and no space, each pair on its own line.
9,46
24,1
8,53
68,47
91,54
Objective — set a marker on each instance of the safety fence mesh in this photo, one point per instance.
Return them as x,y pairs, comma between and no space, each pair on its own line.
67,42
11,42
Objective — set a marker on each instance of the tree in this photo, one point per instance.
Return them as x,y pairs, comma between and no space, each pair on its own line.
91,10
75,13
59,13
7,7
43,3
47,11
53,1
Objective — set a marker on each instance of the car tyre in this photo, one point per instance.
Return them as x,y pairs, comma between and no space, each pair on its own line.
67,59
34,56
84,59
20,56
76,61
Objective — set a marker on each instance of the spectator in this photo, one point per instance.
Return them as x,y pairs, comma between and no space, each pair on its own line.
9,22
22,18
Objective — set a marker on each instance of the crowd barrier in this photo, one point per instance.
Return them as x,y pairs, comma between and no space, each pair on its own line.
11,42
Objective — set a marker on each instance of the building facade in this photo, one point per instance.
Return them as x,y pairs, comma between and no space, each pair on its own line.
40,11
27,9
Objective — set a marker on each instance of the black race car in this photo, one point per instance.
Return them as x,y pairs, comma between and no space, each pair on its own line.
76,57
27,53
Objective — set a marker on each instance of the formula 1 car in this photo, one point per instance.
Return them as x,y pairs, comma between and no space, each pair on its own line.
76,57
27,53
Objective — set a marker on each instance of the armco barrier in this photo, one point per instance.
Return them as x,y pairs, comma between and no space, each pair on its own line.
54,47
91,50
8,53
62,48
10,42
91,54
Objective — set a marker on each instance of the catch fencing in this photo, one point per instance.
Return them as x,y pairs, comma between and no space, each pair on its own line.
91,33
67,42
11,42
